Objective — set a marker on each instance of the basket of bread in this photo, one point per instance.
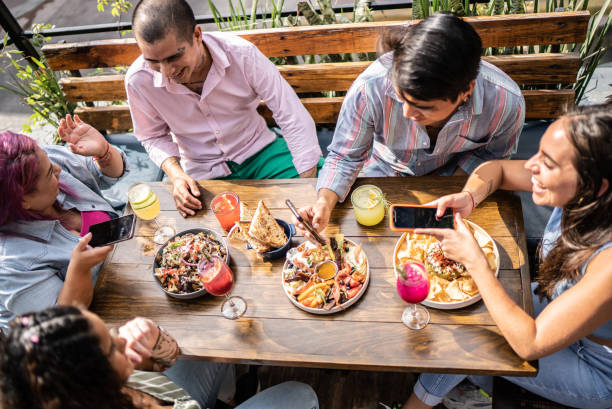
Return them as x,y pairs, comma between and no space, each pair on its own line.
268,237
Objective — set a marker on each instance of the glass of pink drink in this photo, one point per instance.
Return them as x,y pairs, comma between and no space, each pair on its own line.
218,280
413,287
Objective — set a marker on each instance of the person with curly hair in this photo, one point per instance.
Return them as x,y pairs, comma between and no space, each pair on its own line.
65,357
571,333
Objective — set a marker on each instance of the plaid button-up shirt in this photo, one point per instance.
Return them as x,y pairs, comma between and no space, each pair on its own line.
372,134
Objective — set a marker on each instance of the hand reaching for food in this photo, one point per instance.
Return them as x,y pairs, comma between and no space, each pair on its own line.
459,244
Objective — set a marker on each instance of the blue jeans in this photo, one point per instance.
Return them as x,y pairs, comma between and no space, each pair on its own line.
286,395
579,376
200,379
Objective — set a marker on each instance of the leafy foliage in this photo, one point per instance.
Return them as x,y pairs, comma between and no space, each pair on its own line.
35,83
118,7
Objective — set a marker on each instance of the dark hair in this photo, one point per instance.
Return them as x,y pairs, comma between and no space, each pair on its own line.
52,359
586,223
434,59
154,19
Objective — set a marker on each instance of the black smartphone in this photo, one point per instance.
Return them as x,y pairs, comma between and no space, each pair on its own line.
410,217
112,231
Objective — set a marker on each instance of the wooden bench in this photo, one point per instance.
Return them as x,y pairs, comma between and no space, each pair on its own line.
535,71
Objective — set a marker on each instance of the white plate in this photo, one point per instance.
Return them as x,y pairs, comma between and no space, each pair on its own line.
335,309
457,304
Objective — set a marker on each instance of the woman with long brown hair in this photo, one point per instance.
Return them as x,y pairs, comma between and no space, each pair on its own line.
571,334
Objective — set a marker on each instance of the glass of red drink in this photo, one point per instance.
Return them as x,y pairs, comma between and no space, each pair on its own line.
413,287
226,206
218,280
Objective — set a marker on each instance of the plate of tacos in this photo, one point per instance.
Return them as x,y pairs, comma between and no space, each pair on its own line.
450,283
325,279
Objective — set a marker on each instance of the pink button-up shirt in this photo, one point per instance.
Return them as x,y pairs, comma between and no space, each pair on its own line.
221,124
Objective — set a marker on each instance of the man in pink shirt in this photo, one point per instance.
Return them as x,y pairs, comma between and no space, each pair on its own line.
193,98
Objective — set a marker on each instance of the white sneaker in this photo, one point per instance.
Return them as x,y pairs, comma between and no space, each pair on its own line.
467,396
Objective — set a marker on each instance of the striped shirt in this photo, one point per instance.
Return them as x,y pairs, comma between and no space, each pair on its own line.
373,135
161,387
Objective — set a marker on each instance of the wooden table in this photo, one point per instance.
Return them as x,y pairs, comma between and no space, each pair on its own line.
369,335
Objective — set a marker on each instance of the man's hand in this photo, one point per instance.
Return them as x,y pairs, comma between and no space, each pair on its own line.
318,214
186,193
186,190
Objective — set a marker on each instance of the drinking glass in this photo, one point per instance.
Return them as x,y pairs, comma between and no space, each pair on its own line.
218,280
413,287
368,205
146,206
226,206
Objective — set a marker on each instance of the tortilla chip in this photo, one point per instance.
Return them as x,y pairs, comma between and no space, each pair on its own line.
468,286
265,229
454,291
246,213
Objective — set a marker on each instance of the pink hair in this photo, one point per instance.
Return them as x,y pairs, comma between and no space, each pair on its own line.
18,175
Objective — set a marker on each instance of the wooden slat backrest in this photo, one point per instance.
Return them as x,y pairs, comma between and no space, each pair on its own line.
527,69
495,31
539,104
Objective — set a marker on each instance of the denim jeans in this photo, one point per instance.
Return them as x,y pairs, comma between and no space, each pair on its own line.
286,395
579,376
200,379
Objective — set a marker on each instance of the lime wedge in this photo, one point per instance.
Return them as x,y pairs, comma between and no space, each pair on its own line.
139,194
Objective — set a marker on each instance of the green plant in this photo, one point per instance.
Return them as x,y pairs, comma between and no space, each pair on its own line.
36,84
592,49
118,7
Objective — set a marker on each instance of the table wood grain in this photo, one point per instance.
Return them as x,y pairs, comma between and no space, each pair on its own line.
367,336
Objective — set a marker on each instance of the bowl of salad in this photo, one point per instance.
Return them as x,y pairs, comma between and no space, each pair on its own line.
175,267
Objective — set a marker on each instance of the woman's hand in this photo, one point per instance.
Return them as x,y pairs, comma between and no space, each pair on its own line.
459,245
461,202
84,257
140,335
83,139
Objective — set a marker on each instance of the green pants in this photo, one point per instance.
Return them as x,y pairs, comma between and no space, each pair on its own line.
272,162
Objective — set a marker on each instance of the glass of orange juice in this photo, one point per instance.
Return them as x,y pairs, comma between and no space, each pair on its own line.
368,205
146,206
226,206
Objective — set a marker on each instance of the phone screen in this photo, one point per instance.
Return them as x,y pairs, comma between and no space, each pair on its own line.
112,231
421,217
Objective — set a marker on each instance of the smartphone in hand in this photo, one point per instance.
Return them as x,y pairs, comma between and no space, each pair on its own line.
404,217
112,231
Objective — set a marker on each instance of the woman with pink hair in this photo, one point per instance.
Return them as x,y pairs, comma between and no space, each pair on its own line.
50,197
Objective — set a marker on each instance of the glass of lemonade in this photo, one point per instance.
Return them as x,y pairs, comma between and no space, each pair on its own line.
146,206
368,205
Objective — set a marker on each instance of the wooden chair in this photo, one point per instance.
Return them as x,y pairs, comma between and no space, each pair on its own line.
533,70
